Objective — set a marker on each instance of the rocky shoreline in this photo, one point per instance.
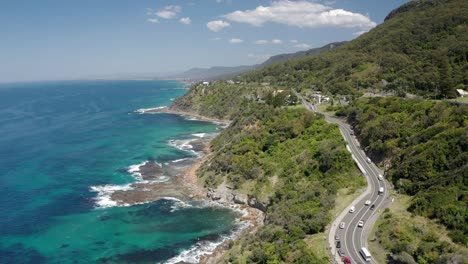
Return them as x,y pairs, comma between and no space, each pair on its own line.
159,181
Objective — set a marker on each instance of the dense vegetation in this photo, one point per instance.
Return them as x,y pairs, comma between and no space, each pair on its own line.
223,100
292,161
425,147
414,239
422,48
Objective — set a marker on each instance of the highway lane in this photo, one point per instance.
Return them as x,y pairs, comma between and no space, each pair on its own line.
353,237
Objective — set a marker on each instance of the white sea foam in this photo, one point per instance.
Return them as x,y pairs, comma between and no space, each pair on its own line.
134,170
104,193
180,160
178,204
146,110
200,135
201,248
182,144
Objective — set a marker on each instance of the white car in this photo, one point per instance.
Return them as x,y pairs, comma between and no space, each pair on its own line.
352,209
342,225
360,223
369,160
368,202
380,177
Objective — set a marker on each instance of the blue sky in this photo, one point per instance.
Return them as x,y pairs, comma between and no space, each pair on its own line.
56,40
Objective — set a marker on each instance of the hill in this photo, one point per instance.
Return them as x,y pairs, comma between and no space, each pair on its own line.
221,72
307,53
422,48
424,147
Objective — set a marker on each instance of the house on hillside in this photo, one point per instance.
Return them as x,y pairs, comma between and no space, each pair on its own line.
462,93
206,83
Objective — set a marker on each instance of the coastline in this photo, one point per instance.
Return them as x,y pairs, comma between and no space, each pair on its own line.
252,218
168,110
178,181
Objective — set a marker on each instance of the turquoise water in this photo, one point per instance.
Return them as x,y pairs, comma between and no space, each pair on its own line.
58,139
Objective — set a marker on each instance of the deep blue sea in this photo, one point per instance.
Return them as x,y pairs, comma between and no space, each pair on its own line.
60,139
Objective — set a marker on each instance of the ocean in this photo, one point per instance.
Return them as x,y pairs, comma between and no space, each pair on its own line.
66,146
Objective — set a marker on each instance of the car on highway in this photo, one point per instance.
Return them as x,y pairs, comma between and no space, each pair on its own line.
380,177
368,202
360,223
352,209
337,237
369,160
341,252
346,260
372,207
338,244
342,225
381,190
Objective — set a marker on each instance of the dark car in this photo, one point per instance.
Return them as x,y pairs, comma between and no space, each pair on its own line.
372,207
340,252
338,244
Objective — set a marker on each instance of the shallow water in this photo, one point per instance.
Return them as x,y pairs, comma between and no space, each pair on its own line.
59,139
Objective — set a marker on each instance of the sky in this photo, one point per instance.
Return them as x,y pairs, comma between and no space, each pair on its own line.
87,39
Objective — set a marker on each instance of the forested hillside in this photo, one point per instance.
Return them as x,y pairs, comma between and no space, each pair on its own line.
421,48
293,162
424,145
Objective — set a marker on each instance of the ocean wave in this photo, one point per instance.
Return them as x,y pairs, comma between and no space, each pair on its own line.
180,160
182,144
200,135
134,170
146,110
201,248
193,254
104,193
177,203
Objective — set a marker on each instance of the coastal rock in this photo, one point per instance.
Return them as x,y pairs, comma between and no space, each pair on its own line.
253,202
239,198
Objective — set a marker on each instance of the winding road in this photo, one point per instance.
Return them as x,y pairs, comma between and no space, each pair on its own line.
352,237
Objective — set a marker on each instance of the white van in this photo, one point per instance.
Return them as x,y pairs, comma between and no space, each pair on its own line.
381,190
365,254
352,209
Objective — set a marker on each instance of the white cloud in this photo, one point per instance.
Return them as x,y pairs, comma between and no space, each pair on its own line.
216,39
169,12
301,14
261,42
217,25
185,20
302,46
153,20
273,41
293,41
235,41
